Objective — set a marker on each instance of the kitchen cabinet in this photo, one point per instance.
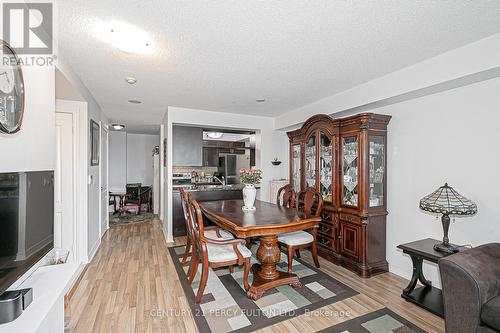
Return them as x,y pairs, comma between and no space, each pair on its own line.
345,160
187,146
210,157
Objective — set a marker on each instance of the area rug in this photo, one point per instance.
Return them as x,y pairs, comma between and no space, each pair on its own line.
380,321
128,218
226,308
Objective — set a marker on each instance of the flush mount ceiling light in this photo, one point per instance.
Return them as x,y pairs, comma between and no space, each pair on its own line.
215,135
130,80
124,36
134,101
118,127
260,100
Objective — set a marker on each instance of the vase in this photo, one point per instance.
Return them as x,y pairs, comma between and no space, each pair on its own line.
249,194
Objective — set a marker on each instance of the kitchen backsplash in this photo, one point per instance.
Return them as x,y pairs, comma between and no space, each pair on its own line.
178,169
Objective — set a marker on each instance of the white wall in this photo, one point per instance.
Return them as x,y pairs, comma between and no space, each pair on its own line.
447,137
33,147
131,159
117,161
93,181
270,144
444,128
140,158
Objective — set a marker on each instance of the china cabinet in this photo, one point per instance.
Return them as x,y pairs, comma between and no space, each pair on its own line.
345,160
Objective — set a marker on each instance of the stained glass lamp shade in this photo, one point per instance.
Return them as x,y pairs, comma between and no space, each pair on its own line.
446,201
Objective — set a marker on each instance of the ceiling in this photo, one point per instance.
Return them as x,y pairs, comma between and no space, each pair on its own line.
223,55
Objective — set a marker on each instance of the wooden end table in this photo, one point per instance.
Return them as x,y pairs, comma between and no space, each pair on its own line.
427,296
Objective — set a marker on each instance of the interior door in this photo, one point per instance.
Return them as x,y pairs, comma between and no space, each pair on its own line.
104,182
64,222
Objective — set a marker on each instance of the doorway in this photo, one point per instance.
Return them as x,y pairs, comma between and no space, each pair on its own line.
104,182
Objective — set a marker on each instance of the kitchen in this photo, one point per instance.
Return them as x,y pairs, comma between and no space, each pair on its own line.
206,163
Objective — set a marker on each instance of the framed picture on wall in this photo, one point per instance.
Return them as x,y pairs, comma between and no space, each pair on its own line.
94,143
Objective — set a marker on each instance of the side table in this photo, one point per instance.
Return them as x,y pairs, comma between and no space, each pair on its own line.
427,296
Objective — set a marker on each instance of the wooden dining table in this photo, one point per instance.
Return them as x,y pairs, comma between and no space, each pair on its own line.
265,222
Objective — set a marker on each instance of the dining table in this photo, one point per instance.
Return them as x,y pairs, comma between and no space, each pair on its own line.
266,222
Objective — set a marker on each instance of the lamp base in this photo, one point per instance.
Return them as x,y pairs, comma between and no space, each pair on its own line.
446,248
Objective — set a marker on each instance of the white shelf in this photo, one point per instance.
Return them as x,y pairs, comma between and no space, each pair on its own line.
46,312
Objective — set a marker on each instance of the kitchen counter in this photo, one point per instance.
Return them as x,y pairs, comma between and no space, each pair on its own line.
201,194
206,188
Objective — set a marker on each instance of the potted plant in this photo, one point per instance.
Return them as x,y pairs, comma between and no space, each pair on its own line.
250,177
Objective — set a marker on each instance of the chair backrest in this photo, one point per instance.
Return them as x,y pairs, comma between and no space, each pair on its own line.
310,202
133,191
185,209
288,197
195,218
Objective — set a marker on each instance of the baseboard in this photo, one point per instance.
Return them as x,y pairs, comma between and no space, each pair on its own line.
94,249
75,281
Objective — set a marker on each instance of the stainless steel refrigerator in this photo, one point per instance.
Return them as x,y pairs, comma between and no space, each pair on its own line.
230,166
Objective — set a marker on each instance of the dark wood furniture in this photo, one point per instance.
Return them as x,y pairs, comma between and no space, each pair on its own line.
205,248
266,222
179,225
121,200
427,296
213,232
345,160
310,203
286,196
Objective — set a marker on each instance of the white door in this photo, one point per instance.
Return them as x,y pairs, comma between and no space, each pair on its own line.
104,182
64,223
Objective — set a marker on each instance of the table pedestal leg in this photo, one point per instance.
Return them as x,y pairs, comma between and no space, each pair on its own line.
418,275
265,275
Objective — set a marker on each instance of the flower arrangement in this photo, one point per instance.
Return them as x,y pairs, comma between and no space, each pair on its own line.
250,176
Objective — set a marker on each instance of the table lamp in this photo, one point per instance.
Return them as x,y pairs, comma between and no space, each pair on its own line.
445,200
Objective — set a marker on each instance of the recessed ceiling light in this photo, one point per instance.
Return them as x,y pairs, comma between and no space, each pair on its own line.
260,100
134,101
215,135
118,127
125,37
130,79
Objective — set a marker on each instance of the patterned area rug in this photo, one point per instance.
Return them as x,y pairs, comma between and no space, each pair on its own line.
225,307
128,218
380,321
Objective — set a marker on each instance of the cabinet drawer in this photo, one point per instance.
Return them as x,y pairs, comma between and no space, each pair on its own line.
326,241
327,229
350,218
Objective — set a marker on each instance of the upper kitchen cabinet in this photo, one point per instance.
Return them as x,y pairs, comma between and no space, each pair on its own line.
187,146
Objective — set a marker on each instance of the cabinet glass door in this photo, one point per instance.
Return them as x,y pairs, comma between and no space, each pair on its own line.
296,167
325,167
350,180
310,172
377,170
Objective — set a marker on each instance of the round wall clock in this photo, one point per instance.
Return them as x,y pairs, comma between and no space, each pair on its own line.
11,90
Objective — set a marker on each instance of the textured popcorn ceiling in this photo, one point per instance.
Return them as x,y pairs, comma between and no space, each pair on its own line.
223,55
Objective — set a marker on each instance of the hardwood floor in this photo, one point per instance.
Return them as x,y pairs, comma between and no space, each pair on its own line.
131,286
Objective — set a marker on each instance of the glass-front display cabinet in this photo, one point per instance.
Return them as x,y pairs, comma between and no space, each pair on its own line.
345,161
296,167
350,168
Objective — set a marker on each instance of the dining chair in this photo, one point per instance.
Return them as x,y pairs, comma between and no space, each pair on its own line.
310,202
287,199
213,252
211,232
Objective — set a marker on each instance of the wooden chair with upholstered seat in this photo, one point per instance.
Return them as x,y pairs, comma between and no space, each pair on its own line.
210,232
286,196
213,252
310,202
